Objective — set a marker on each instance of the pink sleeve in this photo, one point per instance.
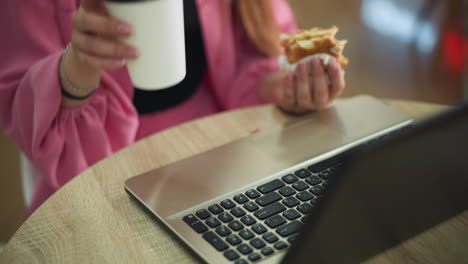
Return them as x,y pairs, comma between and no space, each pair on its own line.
253,67
60,142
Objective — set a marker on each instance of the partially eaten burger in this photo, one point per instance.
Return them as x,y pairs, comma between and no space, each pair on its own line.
316,41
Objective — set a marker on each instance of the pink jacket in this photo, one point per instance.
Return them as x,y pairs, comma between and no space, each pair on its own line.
60,142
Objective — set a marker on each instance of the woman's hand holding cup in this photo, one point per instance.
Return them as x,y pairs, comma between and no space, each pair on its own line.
95,46
95,37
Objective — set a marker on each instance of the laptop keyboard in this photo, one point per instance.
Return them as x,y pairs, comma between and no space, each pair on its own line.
255,224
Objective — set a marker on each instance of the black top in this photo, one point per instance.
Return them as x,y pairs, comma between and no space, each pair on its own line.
147,102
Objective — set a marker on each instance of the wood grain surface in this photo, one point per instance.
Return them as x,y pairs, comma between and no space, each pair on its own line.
92,220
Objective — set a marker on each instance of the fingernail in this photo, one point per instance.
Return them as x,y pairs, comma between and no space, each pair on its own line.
123,29
317,62
130,52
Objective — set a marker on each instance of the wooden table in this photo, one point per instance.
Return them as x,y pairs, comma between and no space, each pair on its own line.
93,220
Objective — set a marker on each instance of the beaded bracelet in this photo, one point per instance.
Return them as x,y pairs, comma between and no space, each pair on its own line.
66,83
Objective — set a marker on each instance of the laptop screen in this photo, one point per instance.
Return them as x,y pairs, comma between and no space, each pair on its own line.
390,192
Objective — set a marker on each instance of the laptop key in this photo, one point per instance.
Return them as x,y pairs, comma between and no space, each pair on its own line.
275,221
325,175
190,219
292,238
333,170
257,243
270,210
305,208
215,209
287,191
231,254
251,206
317,190
252,194
270,237
300,185
305,218
228,204
213,222
240,198
236,225
318,167
268,199
290,201
225,217
267,251
270,186
289,228
254,257
244,249
291,214
336,168
289,178
199,227
241,261
215,241
248,220
302,173
259,228
238,212
246,234
233,239
316,201
196,225
313,180
304,196
203,214
280,245
223,231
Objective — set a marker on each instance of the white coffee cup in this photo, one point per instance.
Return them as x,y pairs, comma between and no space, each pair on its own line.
158,34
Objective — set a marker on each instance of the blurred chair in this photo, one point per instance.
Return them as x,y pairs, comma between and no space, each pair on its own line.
29,179
12,205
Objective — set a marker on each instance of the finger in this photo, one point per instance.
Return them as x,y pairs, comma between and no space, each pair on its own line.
99,63
320,81
303,96
337,82
287,101
273,87
97,46
100,24
343,73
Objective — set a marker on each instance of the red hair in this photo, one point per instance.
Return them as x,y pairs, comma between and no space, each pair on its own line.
260,25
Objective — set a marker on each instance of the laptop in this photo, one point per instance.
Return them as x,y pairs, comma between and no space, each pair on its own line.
306,191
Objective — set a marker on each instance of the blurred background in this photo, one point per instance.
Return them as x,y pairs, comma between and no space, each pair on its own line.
397,49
